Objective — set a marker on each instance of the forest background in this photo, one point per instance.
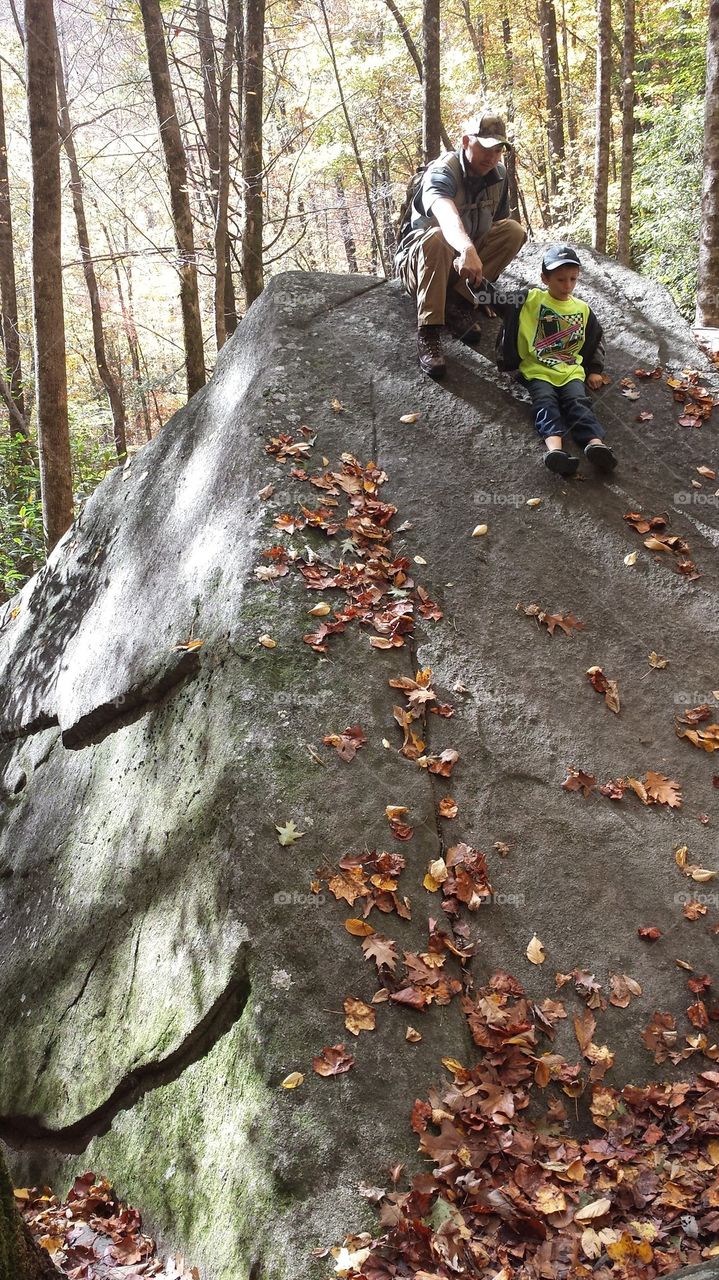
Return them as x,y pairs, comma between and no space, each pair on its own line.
300,123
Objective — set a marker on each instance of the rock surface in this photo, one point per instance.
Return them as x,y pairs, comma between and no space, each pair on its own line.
164,964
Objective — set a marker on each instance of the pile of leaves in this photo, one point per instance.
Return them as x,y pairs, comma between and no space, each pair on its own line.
516,1198
379,591
91,1235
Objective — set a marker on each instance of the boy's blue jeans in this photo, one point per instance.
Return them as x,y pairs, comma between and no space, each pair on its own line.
561,409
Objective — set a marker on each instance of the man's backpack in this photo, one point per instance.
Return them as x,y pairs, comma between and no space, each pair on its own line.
405,210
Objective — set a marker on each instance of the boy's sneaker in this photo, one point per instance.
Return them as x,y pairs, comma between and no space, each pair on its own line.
601,457
429,350
560,463
461,320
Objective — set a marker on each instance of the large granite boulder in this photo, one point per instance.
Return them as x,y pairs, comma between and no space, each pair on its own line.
165,961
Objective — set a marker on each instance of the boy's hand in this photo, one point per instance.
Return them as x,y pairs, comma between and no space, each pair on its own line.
595,381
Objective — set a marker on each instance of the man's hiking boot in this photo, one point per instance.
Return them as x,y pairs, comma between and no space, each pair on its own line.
560,463
461,320
429,350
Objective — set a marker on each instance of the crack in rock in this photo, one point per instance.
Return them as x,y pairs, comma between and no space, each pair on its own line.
25,1132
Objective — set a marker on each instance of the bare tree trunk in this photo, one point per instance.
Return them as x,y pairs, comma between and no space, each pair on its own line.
176,165
708,293
128,322
510,158
477,42
114,395
414,55
362,172
567,93
603,107
553,88
8,294
223,179
624,228
213,111
252,170
345,227
20,1257
430,80
49,320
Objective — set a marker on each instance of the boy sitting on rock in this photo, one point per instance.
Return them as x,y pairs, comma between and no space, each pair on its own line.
554,340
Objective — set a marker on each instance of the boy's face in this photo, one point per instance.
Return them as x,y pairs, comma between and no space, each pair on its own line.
561,283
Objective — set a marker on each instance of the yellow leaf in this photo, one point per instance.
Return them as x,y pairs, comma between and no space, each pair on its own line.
631,558
656,661
535,951
386,744
267,642
358,928
320,610
479,530
413,1036
452,1065
358,1016
533,502
409,417
419,560
291,1081
700,874
337,405
395,810
680,855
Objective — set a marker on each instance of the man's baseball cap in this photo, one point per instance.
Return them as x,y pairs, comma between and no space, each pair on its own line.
489,130
560,255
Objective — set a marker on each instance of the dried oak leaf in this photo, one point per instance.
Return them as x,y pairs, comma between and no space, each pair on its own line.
577,780
623,988
565,621
604,685
661,790
358,1015
382,950
649,932
444,763
346,744
447,807
332,1061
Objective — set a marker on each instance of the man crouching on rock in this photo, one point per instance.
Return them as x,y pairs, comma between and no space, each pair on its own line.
457,229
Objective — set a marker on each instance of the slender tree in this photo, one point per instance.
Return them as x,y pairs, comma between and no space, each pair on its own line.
603,109
214,107
114,393
345,226
252,168
708,294
14,397
353,139
414,55
176,166
475,31
625,193
553,89
223,177
49,320
430,80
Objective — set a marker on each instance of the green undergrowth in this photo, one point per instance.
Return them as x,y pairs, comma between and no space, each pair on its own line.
22,550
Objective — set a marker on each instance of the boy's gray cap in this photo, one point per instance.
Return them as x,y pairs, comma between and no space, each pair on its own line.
560,255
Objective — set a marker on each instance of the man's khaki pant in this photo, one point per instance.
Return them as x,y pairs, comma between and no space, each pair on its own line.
427,273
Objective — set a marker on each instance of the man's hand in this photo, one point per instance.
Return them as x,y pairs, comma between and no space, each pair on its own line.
469,265
595,381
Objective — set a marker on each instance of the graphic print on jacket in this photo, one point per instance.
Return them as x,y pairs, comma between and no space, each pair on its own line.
557,339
